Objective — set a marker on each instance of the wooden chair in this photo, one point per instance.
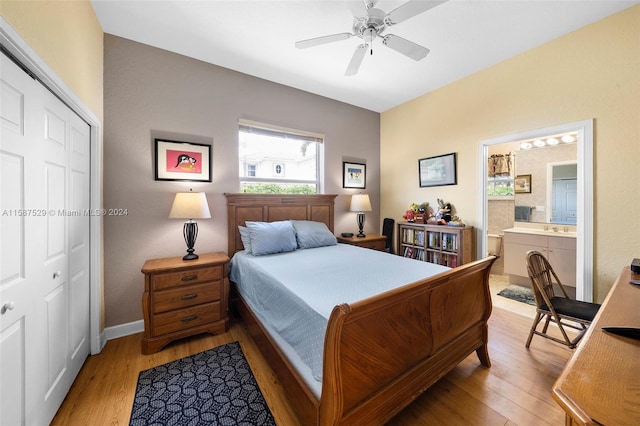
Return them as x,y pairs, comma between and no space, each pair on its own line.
561,309
387,230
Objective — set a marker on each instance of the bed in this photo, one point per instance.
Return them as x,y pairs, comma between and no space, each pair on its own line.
378,353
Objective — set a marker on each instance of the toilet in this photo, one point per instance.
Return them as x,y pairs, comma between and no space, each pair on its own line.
494,244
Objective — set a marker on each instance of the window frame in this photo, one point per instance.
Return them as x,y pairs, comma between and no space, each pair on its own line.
250,126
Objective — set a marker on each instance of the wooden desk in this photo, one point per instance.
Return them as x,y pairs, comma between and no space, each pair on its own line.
601,382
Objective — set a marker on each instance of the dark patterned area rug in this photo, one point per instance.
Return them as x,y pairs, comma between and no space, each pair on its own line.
519,293
214,387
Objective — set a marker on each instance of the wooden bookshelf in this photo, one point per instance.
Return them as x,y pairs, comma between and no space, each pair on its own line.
441,244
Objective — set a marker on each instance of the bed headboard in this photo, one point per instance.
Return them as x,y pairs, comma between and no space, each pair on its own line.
272,207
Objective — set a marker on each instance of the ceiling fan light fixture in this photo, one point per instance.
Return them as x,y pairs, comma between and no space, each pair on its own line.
373,25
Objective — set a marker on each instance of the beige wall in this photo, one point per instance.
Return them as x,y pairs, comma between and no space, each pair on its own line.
155,93
593,72
68,37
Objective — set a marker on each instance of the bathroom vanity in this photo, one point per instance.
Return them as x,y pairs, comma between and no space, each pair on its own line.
556,243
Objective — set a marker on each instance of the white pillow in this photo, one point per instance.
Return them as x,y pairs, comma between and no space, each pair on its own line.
311,234
271,237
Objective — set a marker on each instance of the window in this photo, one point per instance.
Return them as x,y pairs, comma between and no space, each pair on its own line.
278,160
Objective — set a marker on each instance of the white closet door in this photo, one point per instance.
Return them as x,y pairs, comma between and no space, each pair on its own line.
44,284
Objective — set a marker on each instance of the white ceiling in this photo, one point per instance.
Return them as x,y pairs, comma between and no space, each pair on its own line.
257,38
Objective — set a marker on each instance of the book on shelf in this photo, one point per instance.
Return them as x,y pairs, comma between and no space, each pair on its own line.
449,242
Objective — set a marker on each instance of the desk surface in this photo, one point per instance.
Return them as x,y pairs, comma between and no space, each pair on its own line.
601,381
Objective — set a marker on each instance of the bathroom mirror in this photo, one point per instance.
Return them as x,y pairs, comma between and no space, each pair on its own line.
550,164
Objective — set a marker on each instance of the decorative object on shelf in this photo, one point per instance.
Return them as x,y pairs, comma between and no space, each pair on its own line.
456,221
190,205
409,216
354,175
423,213
437,171
443,216
182,161
411,212
360,203
417,213
522,184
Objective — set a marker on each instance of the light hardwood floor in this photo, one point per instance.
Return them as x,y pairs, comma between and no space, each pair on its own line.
516,390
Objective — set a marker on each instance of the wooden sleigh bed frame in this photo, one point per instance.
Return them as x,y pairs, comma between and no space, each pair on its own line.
380,353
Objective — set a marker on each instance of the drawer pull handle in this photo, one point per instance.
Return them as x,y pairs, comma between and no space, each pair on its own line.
190,277
189,319
189,296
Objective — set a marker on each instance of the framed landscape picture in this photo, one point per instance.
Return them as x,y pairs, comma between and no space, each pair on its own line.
184,161
437,171
353,175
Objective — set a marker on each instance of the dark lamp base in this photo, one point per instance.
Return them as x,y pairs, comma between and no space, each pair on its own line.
190,232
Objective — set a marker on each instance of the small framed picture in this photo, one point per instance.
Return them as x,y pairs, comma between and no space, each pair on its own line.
522,184
437,171
353,175
184,161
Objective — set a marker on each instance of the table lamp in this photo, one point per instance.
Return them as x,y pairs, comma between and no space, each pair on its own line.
190,205
360,203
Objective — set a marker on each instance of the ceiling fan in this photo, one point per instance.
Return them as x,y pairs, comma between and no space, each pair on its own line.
371,25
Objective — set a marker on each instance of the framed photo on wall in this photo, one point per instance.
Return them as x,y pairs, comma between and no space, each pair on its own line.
522,184
437,171
354,175
184,161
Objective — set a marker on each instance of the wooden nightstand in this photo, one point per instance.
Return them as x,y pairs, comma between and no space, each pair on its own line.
372,241
182,298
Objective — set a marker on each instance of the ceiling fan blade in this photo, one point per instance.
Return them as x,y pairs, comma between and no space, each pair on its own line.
356,59
406,47
317,41
409,10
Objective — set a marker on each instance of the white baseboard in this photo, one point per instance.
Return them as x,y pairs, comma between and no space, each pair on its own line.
123,330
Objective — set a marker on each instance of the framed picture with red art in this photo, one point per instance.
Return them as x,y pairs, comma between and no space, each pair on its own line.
183,161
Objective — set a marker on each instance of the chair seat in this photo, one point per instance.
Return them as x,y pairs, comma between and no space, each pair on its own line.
573,308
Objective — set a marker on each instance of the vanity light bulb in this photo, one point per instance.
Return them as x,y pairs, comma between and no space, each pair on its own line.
525,145
552,141
568,139
539,143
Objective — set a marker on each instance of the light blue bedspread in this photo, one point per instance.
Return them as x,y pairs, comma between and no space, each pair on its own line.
295,292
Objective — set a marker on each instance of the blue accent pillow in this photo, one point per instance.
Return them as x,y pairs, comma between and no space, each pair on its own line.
311,234
271,237
245,237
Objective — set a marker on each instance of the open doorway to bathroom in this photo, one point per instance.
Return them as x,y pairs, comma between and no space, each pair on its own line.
522,197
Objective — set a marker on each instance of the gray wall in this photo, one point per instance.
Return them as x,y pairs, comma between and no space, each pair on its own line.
153,93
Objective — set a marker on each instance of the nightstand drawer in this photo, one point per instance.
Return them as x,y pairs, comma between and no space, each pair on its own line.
160,281
375,245
183,297
185,318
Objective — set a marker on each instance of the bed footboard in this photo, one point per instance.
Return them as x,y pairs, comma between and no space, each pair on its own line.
383,352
